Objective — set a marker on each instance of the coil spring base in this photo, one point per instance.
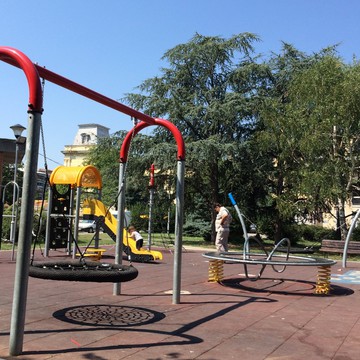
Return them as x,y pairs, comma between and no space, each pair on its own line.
216,270
323,280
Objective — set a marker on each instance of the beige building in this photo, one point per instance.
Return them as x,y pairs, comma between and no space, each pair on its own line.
86,137
351,208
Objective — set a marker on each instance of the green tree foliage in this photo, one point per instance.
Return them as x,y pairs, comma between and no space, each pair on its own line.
309,131
204,93
327,98
143,152
8,176
280,134
275,143
105,156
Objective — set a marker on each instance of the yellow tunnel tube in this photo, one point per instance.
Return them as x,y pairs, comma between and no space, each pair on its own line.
77,176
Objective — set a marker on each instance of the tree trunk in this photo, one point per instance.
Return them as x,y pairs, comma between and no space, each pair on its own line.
342,219
278,229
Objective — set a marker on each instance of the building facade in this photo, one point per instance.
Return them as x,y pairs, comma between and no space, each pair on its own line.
86,137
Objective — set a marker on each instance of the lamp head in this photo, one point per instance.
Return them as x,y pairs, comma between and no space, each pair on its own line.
17,129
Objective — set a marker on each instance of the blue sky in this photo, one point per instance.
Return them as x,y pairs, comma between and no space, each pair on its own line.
112,46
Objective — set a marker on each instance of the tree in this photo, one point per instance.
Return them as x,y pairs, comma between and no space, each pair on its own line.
105,157
288,143
206,91
8,176
327,96
310,133
281,134
143,152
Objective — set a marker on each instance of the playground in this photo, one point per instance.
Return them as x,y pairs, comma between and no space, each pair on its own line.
115,273
79,307
276,317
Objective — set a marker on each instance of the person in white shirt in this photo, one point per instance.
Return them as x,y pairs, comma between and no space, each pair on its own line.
136,236
222,227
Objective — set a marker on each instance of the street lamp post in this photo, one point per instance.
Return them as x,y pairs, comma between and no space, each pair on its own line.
17,129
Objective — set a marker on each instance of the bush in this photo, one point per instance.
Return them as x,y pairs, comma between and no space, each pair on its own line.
311,233
236,236
6,224
140,218
355,236
198,228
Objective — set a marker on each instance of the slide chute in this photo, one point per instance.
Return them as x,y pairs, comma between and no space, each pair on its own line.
94,209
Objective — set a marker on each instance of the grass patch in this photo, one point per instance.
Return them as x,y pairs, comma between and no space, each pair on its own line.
157,239
165,241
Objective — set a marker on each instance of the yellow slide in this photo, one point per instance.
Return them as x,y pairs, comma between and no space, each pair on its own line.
93,208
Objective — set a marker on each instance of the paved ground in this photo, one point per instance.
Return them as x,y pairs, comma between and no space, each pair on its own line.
277,317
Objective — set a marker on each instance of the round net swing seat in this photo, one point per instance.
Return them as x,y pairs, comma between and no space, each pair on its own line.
82,270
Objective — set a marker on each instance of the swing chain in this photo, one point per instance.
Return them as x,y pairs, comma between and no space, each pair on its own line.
37,233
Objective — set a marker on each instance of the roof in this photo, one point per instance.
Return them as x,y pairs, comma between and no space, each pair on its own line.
80,176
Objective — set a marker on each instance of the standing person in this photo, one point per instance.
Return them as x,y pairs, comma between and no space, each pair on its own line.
136,236
222,227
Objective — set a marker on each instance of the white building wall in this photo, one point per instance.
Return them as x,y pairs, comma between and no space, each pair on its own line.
86,137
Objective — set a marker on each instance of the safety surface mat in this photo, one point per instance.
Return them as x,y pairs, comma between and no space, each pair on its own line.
350,277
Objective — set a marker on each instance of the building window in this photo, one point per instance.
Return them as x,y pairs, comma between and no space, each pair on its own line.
85,138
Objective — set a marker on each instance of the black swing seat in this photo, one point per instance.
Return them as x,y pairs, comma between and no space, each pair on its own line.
82,270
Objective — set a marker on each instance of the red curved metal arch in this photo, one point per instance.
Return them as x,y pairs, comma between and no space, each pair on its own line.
91,94
141,125
17,58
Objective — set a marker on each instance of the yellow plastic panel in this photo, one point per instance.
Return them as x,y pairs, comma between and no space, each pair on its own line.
97,208
80,176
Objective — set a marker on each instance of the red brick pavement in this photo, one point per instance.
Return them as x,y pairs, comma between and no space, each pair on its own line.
276,317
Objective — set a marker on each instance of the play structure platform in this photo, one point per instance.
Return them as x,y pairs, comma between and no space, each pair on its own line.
66,185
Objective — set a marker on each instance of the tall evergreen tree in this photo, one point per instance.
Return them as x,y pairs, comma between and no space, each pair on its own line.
206,92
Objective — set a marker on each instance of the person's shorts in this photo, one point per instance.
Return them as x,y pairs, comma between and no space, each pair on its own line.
139,243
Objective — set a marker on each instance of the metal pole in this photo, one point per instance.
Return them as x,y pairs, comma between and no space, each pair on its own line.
120,224
14,216
97,238
25,235
77,216
151,203
48,222
241,218
348,237
71,226
179,218
168,221
14,211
